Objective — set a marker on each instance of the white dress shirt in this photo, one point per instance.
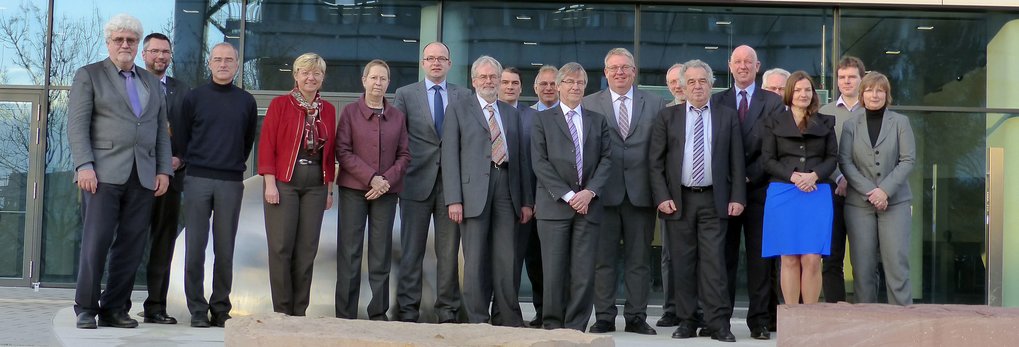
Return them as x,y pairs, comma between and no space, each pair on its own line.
691,119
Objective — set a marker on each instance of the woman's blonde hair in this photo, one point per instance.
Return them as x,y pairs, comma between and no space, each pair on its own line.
309,61
877,79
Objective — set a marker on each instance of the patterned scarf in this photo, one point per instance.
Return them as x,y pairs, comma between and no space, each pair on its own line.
312,137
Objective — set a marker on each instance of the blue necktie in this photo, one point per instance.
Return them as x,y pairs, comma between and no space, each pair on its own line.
132,93
440,110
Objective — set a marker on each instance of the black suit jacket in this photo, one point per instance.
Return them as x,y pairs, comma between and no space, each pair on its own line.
665,154
527,115
175,92
785,150
554,163
763,104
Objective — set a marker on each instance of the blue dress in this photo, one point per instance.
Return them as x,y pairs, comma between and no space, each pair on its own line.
796,222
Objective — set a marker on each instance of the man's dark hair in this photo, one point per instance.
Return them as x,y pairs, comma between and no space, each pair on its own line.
159,36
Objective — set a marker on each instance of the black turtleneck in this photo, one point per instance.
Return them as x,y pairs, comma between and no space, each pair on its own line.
219,125
874,119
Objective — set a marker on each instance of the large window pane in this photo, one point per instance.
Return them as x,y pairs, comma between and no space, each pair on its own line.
61,224
789,38
528,35
347,34
15,118
22,41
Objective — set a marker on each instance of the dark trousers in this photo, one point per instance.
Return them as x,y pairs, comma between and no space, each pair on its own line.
529,256
114,222
489,246
163,232
202,197
380,214
292,230
634,226
833,278
567,254
668,280
697,246
415,217
750,225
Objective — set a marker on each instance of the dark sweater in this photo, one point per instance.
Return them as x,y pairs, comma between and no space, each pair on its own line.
219,123
874,119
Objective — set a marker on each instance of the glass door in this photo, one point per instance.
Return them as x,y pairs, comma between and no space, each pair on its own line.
20,115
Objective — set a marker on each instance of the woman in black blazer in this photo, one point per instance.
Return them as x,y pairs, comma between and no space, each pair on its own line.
800,153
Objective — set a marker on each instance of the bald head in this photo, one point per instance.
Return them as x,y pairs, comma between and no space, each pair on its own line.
744,66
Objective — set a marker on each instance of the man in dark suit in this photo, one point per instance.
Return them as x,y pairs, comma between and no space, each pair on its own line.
116,128
528,245
696,156
752,105
157,54
571,156
425,104
482,176
629,213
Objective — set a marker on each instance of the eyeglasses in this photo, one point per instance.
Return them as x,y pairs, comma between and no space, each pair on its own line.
545,84
120,41
621,68
436,59
487,77
580,83
307,73
158,51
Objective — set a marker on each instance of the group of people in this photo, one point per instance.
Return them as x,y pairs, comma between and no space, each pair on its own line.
568,186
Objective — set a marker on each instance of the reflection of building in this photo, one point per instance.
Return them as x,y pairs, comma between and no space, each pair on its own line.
951,69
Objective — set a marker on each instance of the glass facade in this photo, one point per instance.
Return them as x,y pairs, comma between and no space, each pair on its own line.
947,67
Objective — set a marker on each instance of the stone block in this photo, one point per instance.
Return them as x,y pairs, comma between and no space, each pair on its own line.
280,330
843,324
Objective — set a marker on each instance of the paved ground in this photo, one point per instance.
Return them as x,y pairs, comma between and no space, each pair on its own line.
45,318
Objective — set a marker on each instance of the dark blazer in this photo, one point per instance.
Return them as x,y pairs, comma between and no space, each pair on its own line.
630,172
423,141
668,139
785,150
762,104
467,155
175,92
554,163
103,130
886,165
527,115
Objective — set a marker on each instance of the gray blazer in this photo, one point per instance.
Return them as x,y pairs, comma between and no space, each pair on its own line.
103,131
423,141
886,165
467,156
630,155
841,116
555,167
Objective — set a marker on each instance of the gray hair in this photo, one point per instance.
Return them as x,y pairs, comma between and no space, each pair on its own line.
484,60
122,22
619,51
237,55
569,69
544,69
673,67
777,70
695,64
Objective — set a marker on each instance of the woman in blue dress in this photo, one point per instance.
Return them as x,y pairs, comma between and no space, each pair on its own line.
800,153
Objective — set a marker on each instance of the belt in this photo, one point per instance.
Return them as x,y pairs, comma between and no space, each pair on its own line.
697,189
307,162
502,166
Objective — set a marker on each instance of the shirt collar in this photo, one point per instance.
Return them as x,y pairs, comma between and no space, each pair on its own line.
842,103
484,103
750,90
367,112
429,84
566,109
629,94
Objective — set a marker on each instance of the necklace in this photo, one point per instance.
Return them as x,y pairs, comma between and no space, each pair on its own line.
373,106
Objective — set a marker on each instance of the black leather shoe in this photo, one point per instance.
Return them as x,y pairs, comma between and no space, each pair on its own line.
117,320
86,321
200,320
536,322
639,326
669,319
158,318
760,333
602,326
705,332
219,320
683,331
723,335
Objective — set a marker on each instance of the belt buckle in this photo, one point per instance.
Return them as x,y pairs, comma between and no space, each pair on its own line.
304,161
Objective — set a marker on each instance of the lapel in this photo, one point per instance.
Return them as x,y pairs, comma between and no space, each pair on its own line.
113,73
756,106
587,119
679,129
786,126
638,109
605,103
885,128
862,137
560,119
421,94
479,114
716,127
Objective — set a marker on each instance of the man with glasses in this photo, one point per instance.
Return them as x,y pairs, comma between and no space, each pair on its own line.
482,174
545,88
570,153
752,105
629,214
218,128
116,128
422,199
163,231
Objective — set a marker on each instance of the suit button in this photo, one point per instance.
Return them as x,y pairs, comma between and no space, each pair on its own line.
879,174
877,152
878,164
802,159
801,146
